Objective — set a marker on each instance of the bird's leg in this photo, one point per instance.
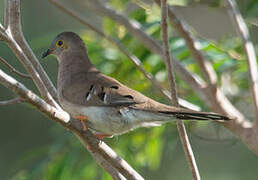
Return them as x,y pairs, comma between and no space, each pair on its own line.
82,119
102,136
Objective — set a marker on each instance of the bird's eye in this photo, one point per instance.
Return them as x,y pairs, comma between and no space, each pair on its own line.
60,43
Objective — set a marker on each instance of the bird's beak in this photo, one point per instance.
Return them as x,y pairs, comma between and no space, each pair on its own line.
46,53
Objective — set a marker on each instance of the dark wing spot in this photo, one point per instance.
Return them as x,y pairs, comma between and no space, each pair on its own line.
129,96
91,87
101,96
87,94
114,87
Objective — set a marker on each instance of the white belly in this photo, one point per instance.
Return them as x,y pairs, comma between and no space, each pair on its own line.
114,121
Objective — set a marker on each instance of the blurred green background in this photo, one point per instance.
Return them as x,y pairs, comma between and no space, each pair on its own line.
33,147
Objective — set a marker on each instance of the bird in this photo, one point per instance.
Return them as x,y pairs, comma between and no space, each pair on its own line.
103,104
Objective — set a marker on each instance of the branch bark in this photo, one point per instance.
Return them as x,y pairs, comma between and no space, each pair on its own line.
11,101
180,125
12,69
250,53
15,30
194,47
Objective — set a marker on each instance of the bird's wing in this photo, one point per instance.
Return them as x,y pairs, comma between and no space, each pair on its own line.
96,89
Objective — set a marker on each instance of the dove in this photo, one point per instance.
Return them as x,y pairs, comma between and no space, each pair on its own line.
100,102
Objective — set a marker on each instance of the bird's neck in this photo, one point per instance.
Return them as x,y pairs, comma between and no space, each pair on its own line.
73,65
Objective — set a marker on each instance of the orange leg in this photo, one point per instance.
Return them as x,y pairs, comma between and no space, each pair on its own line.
102,136
82,118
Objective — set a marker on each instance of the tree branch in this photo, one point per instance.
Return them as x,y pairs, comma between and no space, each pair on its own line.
135,29
3,35
194,47
6,14
180,125
16,34
12,69
250,53
11,101
95,146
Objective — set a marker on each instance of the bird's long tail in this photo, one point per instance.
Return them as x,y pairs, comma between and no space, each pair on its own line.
198,116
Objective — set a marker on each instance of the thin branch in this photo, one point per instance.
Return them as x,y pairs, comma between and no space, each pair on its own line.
249,50
12,84
166,52
116,175
3,35
180,125
194,46
15,32
6,14
21,49
11,101
2,29
95,146
12,69
135,29
130,56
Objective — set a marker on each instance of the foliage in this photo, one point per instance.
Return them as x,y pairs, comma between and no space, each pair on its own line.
66,159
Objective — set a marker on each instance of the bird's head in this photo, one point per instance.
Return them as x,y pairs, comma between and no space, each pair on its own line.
65,42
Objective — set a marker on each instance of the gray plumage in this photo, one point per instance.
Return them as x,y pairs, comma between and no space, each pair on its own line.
111,107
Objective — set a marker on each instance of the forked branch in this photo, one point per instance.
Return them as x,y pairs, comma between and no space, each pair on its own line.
12,69
11,101
249,50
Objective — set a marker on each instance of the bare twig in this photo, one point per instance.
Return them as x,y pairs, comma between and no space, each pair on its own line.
194,47
95,146
150,43
131,57
11,101
6,14
166,52
180,125
16,34
3,35
249,50
2,29
29,96
12,69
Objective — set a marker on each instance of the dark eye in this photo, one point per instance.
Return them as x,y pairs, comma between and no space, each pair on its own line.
60,43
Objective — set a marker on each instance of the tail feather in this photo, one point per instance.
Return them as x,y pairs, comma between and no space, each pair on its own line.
197,116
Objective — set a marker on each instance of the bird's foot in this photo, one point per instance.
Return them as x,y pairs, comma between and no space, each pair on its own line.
82,119
102,136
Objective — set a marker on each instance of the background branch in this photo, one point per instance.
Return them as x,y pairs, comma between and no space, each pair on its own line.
180,125
17,33
11,101
249,50
12,69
